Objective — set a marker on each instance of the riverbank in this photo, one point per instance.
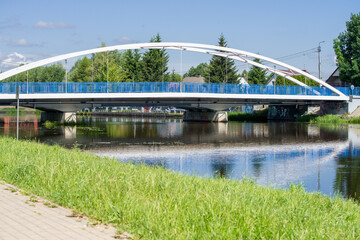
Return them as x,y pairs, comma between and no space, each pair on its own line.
154,203
328,119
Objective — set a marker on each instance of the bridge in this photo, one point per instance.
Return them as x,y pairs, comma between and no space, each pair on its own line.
204,101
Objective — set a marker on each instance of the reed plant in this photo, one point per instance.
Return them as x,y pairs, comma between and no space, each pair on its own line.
328,119
155,203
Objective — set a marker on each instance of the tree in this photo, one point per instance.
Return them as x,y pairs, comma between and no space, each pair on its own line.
81,71
257,75
51,73
155,63
283,81
221,69
101,67
175,77
133,65
347,50
196,71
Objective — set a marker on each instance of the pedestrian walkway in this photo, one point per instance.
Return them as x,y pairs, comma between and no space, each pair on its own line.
30,217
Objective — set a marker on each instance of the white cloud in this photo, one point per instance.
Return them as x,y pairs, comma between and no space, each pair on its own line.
18,43
13,60
124,39
21,42
52,25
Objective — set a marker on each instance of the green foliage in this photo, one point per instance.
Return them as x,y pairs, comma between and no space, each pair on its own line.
153,203
51,73
256,116
101,67
175,77
283,81
347,50
81,71
307,118
257,75
328,119
221,69
196,71
155,63
133,65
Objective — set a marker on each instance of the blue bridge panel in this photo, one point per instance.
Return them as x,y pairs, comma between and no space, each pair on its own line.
149,87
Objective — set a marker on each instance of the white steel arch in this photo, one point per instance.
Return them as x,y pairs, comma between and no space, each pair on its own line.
239,55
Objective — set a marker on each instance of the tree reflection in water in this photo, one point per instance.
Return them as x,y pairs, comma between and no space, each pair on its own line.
347,180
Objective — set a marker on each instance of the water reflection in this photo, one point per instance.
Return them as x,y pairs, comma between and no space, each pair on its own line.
325,158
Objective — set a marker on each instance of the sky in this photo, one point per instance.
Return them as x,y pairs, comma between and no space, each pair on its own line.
37,29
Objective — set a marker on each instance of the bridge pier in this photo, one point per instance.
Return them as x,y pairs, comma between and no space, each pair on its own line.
209,116
58,117
286,112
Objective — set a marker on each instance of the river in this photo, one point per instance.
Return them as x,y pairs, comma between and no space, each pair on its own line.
324,158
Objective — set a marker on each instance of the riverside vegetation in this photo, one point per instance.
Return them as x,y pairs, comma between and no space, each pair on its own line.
256,116
328,119
154,203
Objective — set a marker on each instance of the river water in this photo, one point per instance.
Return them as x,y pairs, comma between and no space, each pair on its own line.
323,158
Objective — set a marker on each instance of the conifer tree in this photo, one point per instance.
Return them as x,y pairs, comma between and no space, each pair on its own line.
257,75
221,69
133,65
155,63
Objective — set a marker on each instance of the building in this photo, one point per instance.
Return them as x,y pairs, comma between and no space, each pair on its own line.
334,80
198,79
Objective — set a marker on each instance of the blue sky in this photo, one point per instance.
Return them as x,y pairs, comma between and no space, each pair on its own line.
38,29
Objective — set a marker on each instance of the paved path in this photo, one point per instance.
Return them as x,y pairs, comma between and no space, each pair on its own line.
23,219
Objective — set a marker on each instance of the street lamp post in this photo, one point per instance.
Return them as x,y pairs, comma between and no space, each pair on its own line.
319,55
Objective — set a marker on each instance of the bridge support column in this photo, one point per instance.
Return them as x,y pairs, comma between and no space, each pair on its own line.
211,116
290,112
58,117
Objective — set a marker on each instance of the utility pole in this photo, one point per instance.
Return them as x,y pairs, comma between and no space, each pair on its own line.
65,75
319,54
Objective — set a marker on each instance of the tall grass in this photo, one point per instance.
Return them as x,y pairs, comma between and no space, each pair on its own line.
154,203
328,119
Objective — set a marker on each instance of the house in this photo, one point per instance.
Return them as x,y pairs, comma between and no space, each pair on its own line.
334,80
198,79
287,72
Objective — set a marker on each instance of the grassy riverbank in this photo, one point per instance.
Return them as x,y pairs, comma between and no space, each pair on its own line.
154,203
328,119
256,116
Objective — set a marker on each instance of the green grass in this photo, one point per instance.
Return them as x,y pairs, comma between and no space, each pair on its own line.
256,116
328,119
22,111
306,118
154,203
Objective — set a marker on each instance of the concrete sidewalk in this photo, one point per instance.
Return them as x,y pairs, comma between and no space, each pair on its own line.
26,217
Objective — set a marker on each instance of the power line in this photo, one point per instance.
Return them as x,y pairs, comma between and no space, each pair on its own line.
294,54
291,55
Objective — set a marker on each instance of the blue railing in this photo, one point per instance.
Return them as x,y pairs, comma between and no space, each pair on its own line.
149,87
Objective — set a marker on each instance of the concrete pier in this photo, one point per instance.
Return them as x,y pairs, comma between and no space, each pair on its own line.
58,116
206,116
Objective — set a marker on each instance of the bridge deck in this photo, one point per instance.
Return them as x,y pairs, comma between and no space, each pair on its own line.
75,96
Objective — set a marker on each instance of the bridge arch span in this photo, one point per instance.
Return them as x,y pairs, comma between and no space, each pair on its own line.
239,55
